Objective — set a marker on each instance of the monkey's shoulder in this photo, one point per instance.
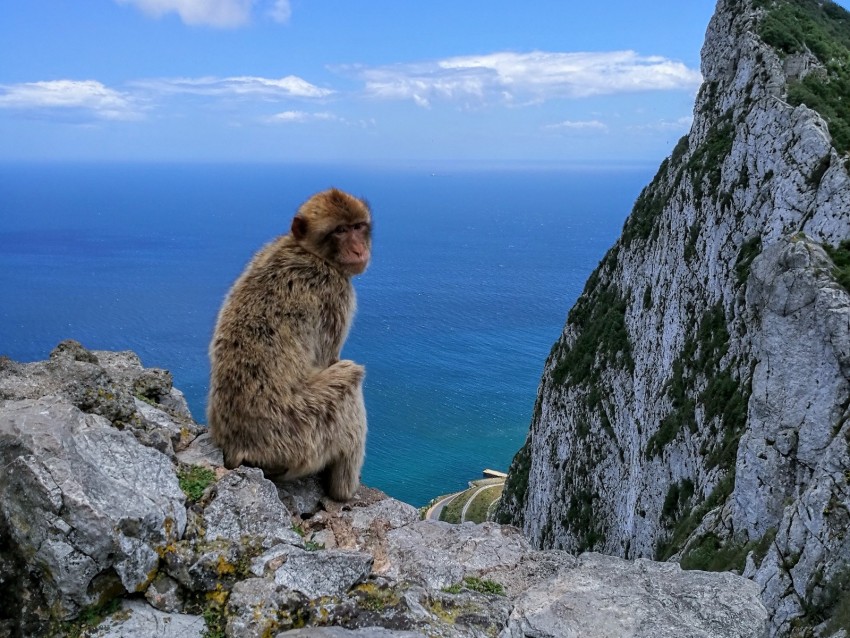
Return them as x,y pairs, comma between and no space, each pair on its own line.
284,277
299,268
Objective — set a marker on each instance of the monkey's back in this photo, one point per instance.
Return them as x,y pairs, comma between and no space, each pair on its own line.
283,321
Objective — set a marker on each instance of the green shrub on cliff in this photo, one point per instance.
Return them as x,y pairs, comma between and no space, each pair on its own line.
823,28
840,256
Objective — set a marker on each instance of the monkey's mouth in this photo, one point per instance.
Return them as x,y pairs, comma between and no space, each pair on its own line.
353,263
354,266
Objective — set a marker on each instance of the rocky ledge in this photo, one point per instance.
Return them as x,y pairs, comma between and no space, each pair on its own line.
118,519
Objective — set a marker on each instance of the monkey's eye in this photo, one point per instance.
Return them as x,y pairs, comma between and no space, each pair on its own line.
339,230
359,226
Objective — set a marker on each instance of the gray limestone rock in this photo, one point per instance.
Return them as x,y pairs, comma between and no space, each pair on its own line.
85,505
202,451
164,594
437,554
363,526
270,560
323,572
138,620
112,384
303,497
533,568
341,632
606,596
260,607
204,566
244,505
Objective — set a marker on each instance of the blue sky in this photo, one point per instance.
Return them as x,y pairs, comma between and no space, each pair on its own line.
346,80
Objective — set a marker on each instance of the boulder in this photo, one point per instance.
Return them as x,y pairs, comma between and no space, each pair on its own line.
607,596
84,506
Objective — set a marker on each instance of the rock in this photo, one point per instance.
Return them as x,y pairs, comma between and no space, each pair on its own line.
533,568
267,563
164,594
361,527
138,620
606,596
437,554
202,451
153,384
74,350
112,384
85,505
304,497
244,507
260,607
324,572
203,567
340,632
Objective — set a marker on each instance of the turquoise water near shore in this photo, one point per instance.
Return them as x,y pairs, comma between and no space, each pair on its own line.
473,272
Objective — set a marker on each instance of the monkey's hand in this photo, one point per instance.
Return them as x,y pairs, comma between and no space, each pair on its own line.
351,373
342,375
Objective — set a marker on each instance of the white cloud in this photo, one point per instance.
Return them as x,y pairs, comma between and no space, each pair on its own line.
79,98
286,87
280,11
299,116
213,13
535,77
581,125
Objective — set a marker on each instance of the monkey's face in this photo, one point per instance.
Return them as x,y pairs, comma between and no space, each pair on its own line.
351,247
338,228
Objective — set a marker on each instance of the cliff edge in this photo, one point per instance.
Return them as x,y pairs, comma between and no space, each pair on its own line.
695,407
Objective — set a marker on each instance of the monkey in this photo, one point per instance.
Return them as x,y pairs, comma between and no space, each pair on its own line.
280,398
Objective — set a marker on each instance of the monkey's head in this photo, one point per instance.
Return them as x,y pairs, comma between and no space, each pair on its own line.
337,227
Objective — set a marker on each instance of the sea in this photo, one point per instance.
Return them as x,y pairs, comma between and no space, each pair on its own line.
474,270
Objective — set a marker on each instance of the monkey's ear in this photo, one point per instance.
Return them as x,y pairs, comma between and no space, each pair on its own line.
299,227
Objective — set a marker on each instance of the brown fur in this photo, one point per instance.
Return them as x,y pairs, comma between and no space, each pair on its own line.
280,398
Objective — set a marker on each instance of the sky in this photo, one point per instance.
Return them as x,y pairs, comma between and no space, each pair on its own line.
348,80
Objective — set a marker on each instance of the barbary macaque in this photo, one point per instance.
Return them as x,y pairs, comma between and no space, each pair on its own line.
280,397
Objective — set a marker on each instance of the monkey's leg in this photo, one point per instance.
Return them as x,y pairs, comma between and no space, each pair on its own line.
343,476
344,433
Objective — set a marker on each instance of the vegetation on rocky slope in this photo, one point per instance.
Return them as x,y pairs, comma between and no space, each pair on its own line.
821,28
840,256
602,341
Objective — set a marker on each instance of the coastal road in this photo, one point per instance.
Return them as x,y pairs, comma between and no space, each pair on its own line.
436,509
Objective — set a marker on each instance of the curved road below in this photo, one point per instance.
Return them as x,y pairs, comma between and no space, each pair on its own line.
433,513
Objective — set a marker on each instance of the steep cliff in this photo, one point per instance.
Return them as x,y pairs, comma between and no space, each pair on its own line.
696,405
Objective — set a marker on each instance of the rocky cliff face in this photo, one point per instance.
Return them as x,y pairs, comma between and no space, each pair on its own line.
117,520
696,404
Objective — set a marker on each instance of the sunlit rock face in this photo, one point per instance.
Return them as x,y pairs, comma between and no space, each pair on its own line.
695,406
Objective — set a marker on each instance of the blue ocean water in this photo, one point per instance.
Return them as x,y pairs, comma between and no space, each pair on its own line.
473,273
